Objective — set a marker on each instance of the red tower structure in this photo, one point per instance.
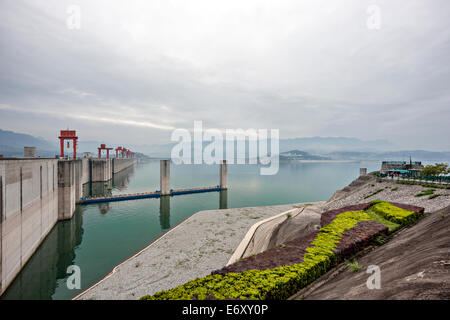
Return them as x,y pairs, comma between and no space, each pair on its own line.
117,151
103,147
68,135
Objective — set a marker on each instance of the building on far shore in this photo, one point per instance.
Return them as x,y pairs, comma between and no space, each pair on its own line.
401,167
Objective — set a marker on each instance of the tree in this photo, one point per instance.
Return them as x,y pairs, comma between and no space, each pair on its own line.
436,170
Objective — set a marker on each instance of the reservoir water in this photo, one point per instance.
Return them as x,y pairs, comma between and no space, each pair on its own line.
100,236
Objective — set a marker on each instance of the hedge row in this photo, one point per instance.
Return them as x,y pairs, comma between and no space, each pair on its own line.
282,282
393,213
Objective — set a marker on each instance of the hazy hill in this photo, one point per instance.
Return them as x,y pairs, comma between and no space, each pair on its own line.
300,155
12,143
311,148
323,145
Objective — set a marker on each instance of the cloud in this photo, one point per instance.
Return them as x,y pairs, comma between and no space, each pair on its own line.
139,69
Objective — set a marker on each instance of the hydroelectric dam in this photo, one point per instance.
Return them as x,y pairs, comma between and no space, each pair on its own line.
36,193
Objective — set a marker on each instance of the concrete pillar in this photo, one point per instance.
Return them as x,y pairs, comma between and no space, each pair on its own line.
165,177
66,189
223,175
223,199
362,171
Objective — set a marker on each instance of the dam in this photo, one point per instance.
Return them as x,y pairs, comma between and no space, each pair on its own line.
36,193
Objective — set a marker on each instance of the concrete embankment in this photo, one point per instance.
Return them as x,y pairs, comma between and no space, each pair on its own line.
194,248
28,211
36,193
367,188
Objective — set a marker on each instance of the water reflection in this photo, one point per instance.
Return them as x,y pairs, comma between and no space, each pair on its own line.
164,212
38,279
103,207
119,182
122,179
223,199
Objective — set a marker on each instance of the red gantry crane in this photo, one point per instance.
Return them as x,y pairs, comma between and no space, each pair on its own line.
103,147
68,135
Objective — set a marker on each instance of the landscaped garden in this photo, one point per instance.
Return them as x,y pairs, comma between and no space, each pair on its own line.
280,272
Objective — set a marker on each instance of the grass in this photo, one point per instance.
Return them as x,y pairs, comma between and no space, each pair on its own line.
289,215
374,193
282,245
425,193
394,189
381,239
354,265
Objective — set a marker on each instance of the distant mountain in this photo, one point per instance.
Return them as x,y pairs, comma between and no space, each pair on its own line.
312,148
12,143
300,155
416,155
322,145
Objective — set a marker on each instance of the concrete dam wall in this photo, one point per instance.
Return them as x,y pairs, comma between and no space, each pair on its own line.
29,210
34,194
121,164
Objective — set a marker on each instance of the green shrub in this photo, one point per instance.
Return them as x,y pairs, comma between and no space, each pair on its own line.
393,213
425,193
374,193
354,265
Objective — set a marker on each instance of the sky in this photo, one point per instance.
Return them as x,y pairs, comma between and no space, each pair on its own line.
131,72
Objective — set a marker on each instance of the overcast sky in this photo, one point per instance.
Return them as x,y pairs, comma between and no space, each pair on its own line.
136,70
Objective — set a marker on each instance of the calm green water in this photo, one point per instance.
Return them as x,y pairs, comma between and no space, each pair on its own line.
100,236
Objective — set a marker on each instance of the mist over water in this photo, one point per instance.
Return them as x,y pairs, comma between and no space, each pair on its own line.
100,236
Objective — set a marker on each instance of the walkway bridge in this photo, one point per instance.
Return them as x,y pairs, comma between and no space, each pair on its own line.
144,195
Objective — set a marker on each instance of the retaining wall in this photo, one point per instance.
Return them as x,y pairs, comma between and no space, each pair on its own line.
101,170
28,211
121,164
